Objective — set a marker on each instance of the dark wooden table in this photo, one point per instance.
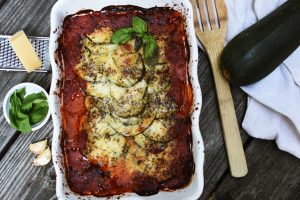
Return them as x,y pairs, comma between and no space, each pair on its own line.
273,174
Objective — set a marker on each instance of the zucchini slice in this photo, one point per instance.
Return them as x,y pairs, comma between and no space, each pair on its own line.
127,109
100,128
101,60
129,69
154,165
89,72
128,102
126,128
159,79
158,131
130,121
98,89
101,35
102,104
106,150
147,144
142,141
125,94
98,49
163,104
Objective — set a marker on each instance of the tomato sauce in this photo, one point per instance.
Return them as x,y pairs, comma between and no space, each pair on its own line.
83,176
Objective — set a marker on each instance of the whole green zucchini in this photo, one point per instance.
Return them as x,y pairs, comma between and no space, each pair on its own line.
258,50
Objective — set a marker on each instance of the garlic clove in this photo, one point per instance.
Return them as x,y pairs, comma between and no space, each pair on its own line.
38,147
43,159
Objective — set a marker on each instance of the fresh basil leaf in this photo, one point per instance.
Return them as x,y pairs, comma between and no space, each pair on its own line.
138,44
122,35
150,50
12,119
15,103
19,113
24,125
13,114
37,114
37,104
23,122
18,120
21,93
139,25
26,111
32,98
39,101
15,99
142,38
140,35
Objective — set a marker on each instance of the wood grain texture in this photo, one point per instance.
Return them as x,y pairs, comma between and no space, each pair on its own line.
215,164
269,168
32,16
272,175
18,178
212,38
11,79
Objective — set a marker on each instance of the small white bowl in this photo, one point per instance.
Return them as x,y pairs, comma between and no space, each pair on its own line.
30,88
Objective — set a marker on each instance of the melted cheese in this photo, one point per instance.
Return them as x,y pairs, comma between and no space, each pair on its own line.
160,80
98,89
101,35
101,128
141,140
128,129
129,110
106,149
158,131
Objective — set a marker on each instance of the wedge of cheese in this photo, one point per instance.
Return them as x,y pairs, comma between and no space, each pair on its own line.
25,51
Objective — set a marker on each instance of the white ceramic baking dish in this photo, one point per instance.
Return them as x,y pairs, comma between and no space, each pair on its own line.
60,10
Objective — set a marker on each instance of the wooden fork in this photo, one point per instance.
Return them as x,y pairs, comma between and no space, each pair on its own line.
213,41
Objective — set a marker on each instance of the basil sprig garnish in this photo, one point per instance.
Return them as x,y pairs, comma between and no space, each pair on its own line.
27,111
140,32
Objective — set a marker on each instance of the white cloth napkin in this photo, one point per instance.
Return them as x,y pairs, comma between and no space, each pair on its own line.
273,111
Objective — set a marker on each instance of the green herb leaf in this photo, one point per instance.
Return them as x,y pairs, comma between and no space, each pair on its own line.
122,35
27,111
138,44
139,25
30,99
24,125
21,93
150,46
139,35
150,50
18,120
38,113
14,103
142,38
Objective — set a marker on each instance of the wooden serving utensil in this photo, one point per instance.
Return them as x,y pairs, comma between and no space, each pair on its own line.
211,30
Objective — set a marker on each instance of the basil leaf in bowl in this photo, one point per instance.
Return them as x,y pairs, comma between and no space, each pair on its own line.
26,111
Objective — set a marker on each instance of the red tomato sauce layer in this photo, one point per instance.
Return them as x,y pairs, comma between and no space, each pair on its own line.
83,176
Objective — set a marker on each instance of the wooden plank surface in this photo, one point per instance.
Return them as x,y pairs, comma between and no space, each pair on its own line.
272,174
19,178
215,156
